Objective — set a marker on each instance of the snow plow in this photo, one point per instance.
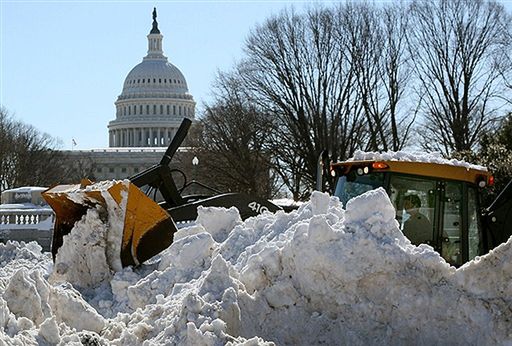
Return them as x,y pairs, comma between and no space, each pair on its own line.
147,227
437,202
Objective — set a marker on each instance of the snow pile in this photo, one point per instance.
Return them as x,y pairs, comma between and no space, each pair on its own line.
412,157
321,274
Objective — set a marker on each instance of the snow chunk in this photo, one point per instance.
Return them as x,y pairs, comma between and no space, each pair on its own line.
82,258
69,307
375,212
27,295
218,221
49,331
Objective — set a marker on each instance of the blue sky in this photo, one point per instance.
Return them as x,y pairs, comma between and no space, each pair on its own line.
63,63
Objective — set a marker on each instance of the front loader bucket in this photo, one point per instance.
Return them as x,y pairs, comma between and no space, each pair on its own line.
147,229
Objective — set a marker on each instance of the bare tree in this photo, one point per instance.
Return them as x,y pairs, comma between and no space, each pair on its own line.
379,54
27,157
396,76
456,45
77,168
7,143
233,142
361,30
296,69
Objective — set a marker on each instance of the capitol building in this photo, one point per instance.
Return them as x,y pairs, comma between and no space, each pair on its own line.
153,102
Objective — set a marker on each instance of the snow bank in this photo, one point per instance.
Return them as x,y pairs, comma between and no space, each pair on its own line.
321,274
413,157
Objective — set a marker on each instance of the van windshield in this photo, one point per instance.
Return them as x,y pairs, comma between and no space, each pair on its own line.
354,185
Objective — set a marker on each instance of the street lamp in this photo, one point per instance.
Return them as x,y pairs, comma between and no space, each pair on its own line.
195,163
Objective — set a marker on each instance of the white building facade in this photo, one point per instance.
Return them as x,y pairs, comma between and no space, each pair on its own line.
154,100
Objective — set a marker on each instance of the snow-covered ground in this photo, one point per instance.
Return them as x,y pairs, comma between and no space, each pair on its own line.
323,274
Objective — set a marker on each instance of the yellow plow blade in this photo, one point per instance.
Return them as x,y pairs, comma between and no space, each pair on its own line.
147,229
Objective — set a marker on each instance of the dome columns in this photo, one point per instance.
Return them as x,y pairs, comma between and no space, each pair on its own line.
155,47
141,137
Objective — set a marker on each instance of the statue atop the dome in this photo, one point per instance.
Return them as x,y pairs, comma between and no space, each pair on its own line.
154,30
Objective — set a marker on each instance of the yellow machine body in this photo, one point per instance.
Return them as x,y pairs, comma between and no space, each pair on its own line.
147,228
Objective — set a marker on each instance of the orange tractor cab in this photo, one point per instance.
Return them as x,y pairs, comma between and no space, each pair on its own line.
436,203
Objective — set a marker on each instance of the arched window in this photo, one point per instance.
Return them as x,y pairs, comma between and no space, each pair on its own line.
161,109
143,80
154,109
140,109
159,80
129,110
173,109
147,109
179,110
168,109
124,110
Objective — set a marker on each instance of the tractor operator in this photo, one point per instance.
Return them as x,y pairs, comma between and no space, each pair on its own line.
417,227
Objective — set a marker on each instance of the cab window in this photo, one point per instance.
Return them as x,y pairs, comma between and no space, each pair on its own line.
414,202
473,234
452,223
353,185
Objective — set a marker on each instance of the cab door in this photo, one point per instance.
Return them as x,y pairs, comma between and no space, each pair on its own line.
415,200
440,213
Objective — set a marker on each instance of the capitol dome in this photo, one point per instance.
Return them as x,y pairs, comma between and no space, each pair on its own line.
154,76
153,102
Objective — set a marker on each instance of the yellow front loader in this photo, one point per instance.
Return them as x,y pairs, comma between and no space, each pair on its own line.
147,226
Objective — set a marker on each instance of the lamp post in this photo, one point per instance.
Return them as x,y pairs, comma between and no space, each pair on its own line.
195,163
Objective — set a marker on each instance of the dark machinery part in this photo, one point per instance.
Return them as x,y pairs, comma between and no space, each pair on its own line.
497,218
